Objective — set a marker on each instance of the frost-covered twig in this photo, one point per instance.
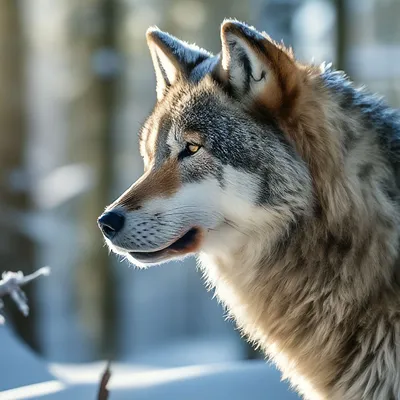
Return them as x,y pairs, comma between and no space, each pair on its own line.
11,283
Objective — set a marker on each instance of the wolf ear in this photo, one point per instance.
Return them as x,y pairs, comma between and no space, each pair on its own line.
256,68
172,58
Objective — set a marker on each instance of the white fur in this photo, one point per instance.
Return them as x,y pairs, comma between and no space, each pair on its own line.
227,216
241,244
168,66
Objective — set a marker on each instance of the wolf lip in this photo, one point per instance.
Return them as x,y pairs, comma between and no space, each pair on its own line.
185,244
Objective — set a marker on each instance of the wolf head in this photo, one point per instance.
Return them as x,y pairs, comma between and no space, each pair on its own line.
218,159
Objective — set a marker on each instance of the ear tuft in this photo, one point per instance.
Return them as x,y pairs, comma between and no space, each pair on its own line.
151,30
238,28
172,58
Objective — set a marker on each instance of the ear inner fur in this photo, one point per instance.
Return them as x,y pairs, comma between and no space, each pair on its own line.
281,74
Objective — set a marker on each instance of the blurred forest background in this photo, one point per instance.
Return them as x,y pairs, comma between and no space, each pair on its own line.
76,82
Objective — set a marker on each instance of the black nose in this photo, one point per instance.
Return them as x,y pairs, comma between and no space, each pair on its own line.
111,223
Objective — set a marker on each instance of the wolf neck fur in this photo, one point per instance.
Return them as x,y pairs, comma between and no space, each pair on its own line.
311,303
307,314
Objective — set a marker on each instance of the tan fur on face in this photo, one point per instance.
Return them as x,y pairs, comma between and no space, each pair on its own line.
161,182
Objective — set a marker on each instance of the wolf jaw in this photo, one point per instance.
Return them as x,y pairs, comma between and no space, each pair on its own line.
181,244
293,192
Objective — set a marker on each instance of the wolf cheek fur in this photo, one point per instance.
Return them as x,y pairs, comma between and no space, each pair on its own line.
291,200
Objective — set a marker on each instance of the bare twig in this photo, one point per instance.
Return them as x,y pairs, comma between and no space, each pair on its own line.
11,283
103,391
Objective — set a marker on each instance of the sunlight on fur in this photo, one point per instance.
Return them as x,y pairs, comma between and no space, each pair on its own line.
290,202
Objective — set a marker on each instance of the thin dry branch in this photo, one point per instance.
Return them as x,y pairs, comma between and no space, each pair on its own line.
11,284
103,391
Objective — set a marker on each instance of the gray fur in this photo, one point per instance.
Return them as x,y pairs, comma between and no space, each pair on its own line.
309,267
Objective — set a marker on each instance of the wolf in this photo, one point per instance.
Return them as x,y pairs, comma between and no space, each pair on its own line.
283,179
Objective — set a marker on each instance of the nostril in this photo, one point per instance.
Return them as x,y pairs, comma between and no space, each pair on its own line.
108,231
111,223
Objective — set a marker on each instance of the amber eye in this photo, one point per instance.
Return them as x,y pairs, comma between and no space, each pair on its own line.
192,148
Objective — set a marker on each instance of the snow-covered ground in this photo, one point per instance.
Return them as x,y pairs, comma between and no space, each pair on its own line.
23,375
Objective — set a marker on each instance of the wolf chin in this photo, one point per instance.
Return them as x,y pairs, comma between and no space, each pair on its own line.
283,179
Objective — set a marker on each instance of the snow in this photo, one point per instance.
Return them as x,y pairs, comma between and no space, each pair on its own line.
23,375
19,366
234,381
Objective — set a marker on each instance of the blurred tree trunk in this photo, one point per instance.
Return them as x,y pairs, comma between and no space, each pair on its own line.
16,249
341,34
93,44
275,16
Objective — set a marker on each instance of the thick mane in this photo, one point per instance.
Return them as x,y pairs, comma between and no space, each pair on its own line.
320,298
372,109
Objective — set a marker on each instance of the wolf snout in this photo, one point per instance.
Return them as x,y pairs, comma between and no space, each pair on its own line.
111,223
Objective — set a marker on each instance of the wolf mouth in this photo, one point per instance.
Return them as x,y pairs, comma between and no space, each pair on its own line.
183,245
